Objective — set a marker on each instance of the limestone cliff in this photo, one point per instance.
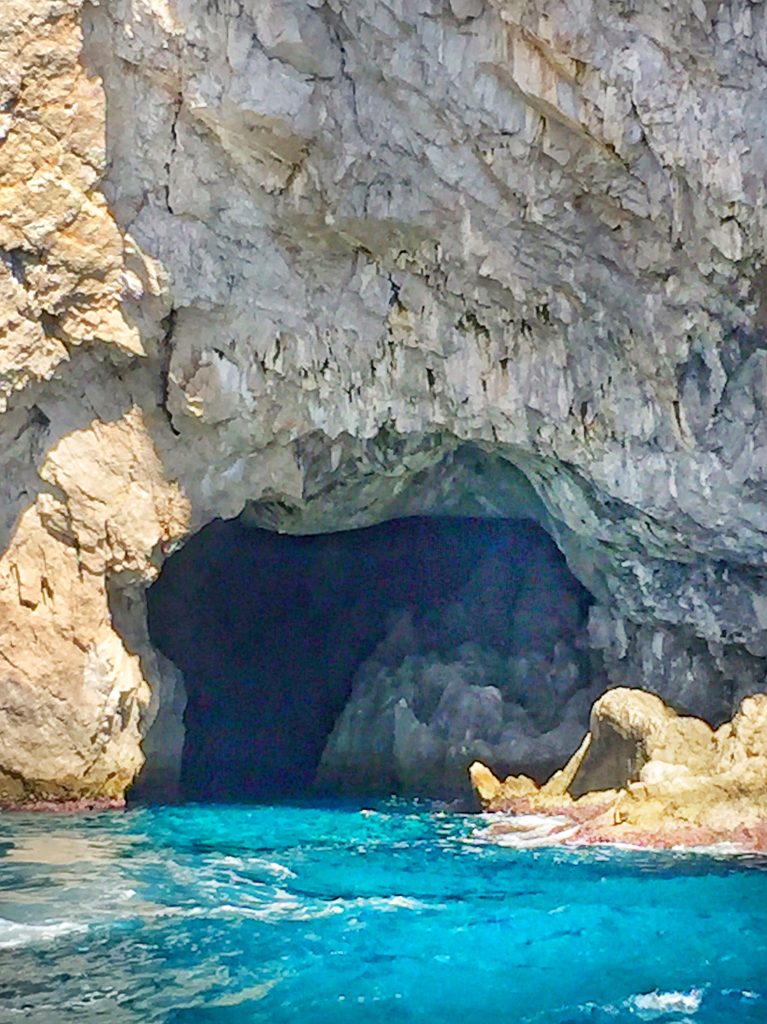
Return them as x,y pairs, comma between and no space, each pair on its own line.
295,257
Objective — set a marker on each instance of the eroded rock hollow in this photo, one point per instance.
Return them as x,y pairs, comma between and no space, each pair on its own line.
374,661
324,265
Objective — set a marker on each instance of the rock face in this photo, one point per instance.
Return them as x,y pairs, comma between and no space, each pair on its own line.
645,775
315,262
496,673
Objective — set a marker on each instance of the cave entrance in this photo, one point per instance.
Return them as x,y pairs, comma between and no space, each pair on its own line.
372,661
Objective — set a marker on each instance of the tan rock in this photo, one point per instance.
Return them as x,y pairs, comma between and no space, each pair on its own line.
485,784
646,775
75,697
630,728
560,782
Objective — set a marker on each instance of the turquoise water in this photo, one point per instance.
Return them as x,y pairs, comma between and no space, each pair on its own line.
227,915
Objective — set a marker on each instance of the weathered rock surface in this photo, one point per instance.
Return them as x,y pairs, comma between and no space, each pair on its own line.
308,259
646,775
498,672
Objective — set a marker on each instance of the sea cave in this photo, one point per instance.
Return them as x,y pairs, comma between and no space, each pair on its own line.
375,661
383,511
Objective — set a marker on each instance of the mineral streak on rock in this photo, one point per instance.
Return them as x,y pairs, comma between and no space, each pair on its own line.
649,777
293,258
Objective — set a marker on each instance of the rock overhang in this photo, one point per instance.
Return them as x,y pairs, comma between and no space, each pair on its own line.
499,226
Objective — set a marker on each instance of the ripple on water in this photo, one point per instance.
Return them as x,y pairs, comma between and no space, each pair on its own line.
14,934
227,915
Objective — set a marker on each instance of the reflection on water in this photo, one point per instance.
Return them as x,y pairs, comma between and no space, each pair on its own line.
64,848
229,915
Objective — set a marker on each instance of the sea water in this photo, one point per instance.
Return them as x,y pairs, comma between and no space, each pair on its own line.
233,914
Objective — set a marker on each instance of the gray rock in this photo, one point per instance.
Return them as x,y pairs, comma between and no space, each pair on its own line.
334,263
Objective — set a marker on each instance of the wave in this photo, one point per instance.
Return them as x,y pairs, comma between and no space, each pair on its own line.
14,934
386,903
269,867
652,1005
288,906
526,831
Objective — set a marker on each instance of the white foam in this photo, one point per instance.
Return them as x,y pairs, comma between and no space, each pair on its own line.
13,934
279,909
286,906
283,906
279,870
722,849
651,1005
245,863
387,903
526,831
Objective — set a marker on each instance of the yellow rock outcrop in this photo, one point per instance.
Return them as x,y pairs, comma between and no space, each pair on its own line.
649,776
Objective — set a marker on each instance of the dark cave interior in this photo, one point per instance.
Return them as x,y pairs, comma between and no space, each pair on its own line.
269,630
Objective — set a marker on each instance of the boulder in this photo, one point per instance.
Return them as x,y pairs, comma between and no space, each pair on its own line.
646,775
630,728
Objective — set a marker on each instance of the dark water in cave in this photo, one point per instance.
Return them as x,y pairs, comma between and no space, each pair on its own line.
324,914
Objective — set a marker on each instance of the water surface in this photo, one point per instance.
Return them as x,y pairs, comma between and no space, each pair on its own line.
231,914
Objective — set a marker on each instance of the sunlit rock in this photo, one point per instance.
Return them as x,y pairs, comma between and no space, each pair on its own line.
647,776
325,265
630,730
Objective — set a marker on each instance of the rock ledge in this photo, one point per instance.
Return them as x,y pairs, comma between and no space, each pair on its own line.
646,776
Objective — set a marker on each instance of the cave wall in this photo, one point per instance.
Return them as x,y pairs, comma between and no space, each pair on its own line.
497,670
472,629
287,257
